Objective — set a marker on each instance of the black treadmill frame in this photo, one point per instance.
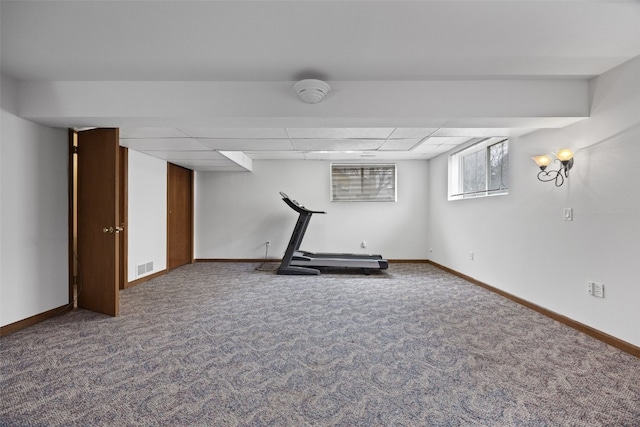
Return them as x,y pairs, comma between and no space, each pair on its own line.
296,239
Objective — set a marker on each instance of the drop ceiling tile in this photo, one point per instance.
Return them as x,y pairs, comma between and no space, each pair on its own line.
475,132
429,145
341,133
445,147
151,132
399,144
236,133
402,133
335,156
366,156
247,144
403,155
275,155
434,141
428,149
337,144
164,144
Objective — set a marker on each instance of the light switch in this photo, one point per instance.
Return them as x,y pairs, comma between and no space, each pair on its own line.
568,214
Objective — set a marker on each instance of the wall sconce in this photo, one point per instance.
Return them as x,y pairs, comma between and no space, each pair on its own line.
565,157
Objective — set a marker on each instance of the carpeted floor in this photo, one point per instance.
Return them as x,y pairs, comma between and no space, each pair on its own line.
222,344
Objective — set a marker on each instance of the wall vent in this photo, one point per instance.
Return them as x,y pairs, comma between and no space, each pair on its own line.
144,268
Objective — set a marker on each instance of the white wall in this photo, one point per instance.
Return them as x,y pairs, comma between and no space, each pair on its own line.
521,242
237,212
33,214
147,198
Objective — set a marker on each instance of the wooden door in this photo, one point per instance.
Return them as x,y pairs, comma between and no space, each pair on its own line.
124,213
179,216
98,221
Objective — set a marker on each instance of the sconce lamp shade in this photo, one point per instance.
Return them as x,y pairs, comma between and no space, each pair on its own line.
565,155
543,161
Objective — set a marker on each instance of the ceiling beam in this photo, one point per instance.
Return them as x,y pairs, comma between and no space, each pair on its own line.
535,103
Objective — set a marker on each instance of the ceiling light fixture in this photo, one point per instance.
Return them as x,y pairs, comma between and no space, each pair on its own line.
311,91
565,157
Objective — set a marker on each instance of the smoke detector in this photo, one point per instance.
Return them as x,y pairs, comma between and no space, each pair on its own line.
311,91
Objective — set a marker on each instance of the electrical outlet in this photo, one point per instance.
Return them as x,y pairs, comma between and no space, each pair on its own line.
363,244
471,256
598,290
595,289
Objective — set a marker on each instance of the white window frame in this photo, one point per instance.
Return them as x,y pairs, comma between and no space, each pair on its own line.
456,170
352,195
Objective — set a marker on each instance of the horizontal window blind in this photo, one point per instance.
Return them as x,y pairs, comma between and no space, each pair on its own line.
363,183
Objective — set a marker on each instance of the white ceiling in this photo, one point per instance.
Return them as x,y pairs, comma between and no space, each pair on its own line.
337,41
197,148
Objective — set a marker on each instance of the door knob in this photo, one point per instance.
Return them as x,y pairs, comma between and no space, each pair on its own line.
108,230
119,229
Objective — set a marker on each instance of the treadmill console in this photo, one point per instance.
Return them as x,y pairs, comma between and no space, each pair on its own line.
297,206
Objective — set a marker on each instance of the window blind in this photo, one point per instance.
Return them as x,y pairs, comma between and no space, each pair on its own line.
363,183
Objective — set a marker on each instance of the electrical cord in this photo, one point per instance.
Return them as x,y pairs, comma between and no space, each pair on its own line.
262,266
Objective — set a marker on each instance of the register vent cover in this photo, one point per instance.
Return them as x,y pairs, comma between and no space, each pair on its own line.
144,268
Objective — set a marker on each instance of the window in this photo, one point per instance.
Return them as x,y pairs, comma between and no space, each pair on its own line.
481,169
363,183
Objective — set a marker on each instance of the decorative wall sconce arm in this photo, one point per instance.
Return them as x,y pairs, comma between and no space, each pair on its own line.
564,157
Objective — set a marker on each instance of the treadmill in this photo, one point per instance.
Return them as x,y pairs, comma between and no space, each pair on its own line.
297,262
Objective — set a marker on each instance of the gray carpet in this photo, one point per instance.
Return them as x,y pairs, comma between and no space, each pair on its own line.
222,344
